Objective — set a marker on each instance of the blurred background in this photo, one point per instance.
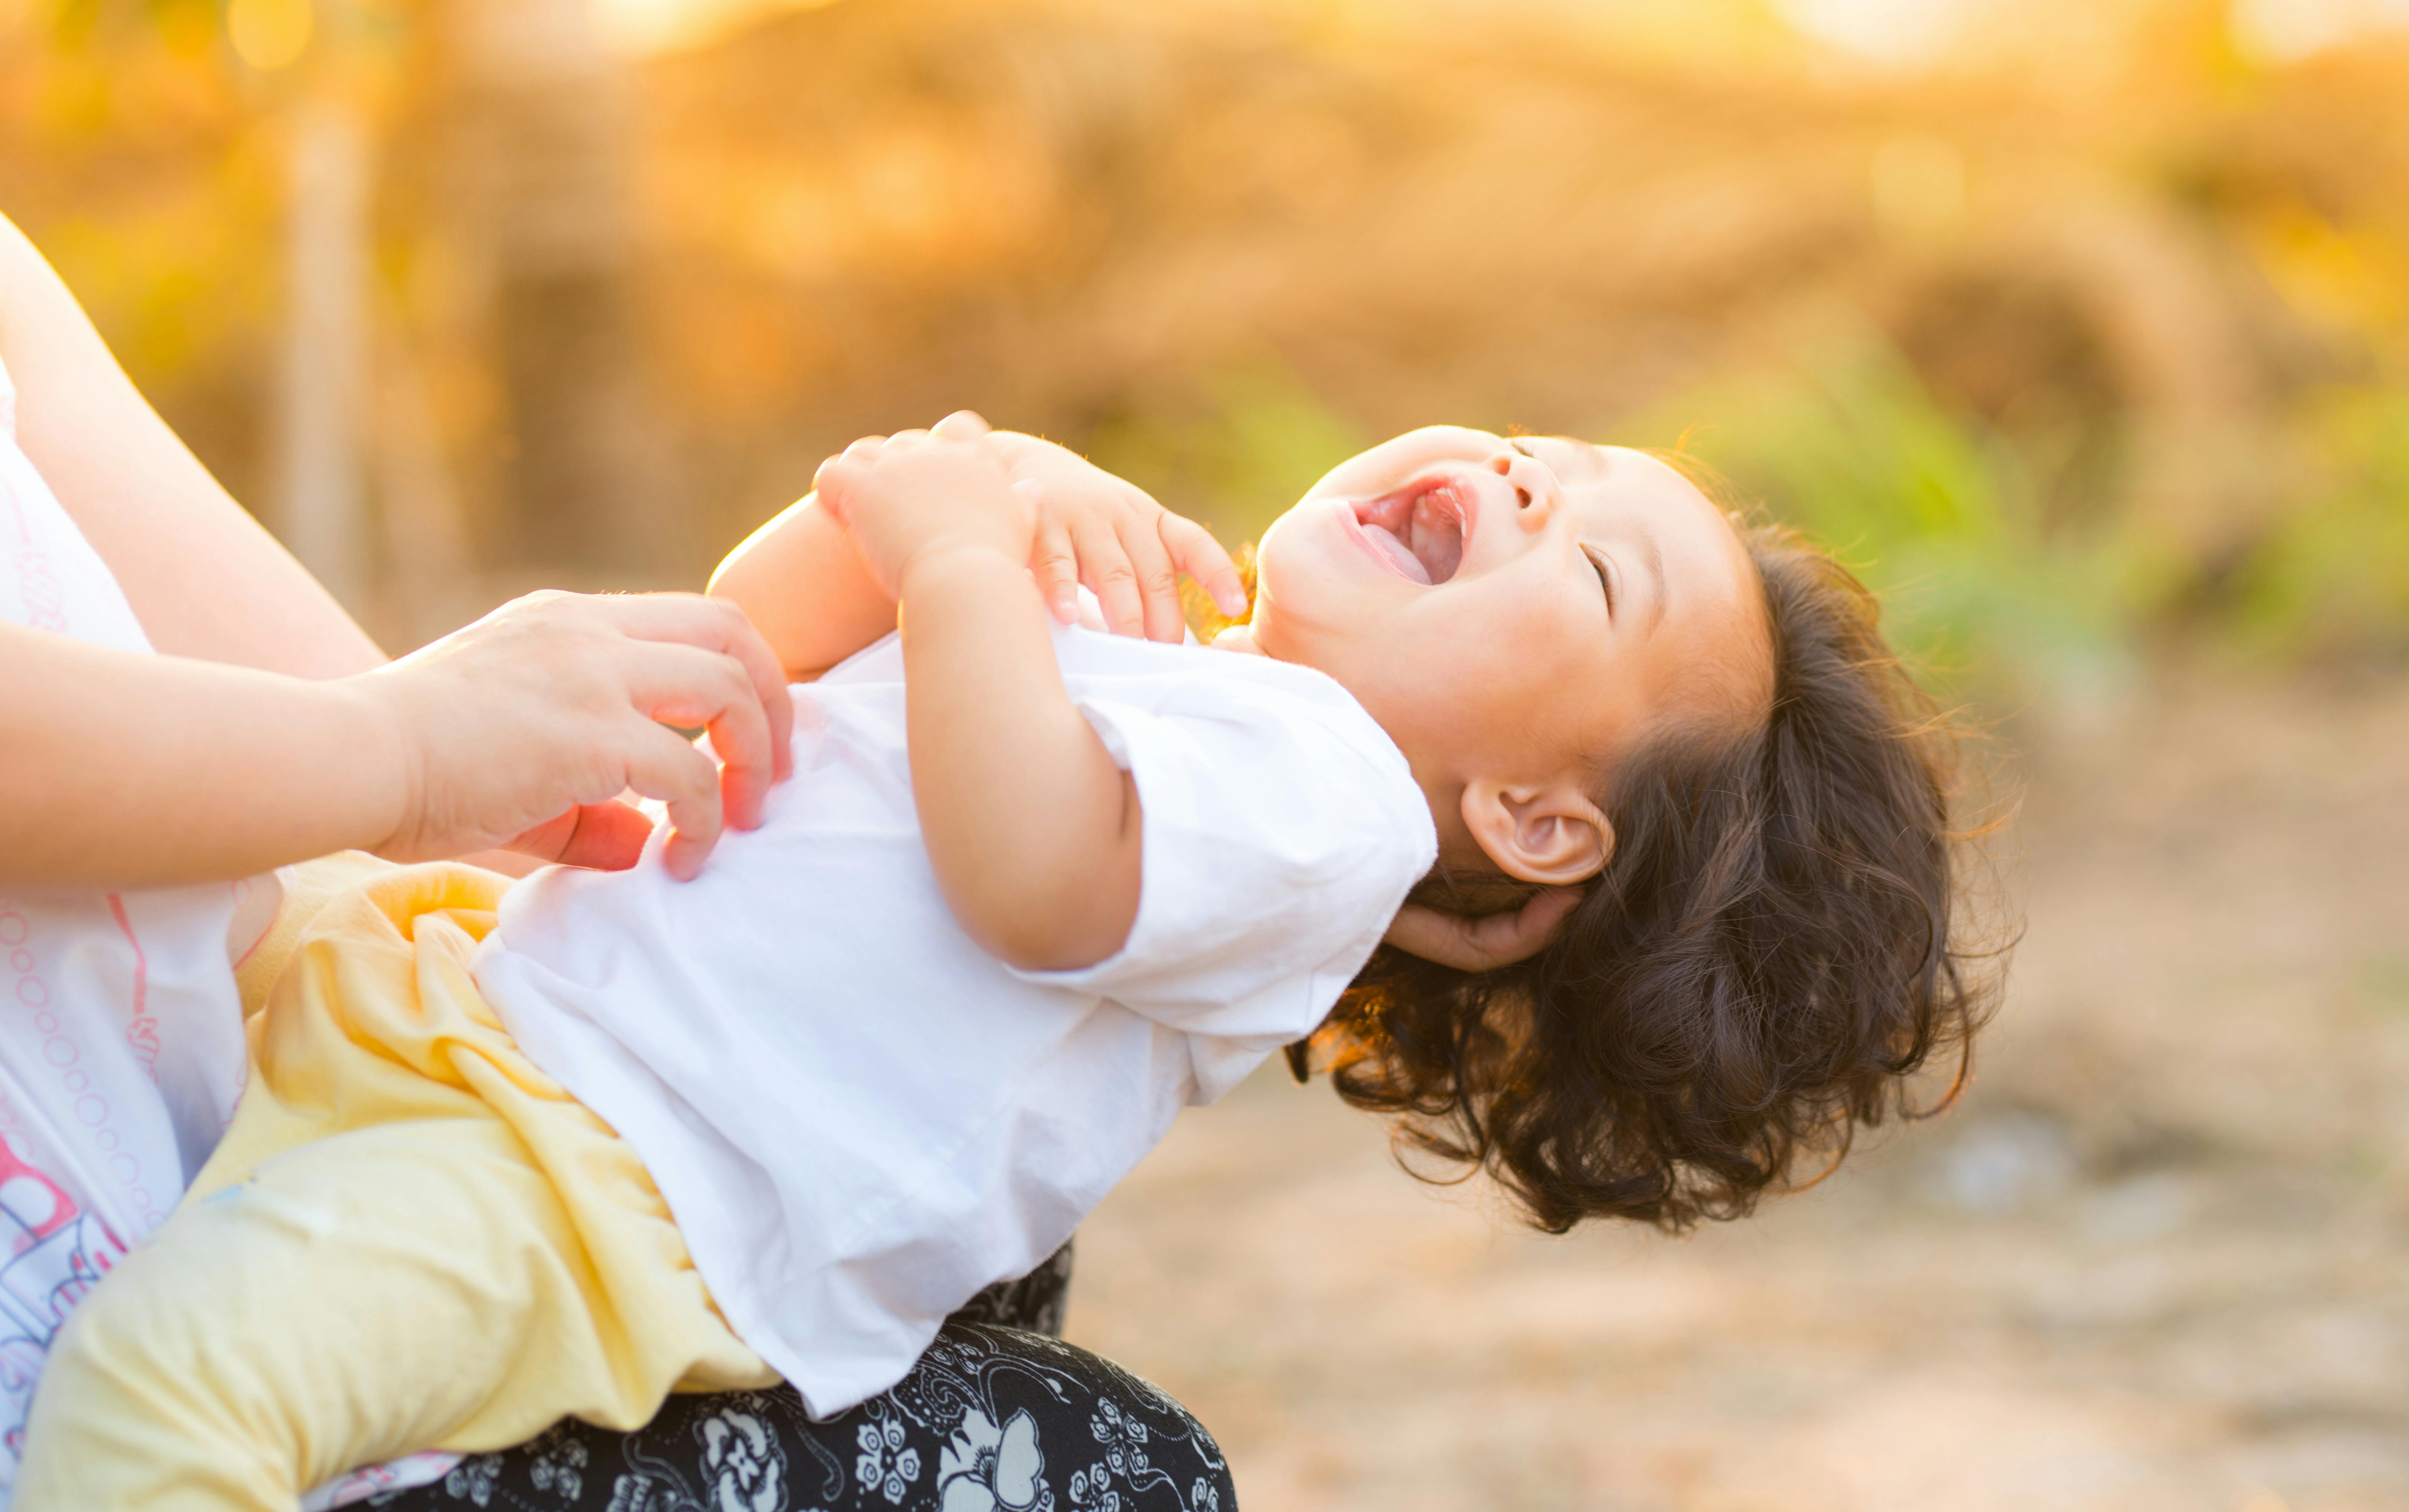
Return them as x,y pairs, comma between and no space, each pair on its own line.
2077,326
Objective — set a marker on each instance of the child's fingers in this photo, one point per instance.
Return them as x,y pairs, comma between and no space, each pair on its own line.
861,452
835,478
1105,568
828,481
1158,581
1056,567
1194,551
963,425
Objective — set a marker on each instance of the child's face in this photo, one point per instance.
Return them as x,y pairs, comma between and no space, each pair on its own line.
1518,616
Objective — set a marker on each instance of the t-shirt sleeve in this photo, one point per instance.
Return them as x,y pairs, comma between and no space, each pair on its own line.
1282,830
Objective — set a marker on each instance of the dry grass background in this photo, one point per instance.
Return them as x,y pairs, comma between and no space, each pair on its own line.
2158,1258
2087,340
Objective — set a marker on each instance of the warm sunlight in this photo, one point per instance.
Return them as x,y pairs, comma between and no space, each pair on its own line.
666,25
2075,332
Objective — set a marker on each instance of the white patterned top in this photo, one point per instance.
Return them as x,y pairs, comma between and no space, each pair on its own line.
120,1033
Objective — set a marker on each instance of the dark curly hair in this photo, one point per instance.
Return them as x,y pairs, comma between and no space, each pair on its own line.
1766,958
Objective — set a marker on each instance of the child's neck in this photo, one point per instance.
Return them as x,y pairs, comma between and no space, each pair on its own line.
1459,854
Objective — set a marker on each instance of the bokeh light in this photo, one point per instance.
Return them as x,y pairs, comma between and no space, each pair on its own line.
2080,327
269,35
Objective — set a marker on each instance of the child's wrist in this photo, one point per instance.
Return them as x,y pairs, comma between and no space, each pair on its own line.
950,560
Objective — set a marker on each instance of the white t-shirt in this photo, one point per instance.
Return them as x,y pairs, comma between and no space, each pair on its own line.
858,1117
120,1033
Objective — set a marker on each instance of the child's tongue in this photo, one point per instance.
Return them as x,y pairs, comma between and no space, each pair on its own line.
1407,561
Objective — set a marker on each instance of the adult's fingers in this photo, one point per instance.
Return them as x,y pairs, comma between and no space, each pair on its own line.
693,688
546,841
720,625
603,837
663,765
1194,551
1158,581
608,836
1105,568
1056,567
1484,944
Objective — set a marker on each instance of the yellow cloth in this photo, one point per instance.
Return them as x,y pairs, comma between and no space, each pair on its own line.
411,1238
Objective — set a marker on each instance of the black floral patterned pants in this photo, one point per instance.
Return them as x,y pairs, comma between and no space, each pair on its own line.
999,1416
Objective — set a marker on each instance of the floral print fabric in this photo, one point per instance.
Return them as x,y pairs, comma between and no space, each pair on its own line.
999,1416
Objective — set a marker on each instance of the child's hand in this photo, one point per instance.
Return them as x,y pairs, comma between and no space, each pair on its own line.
898,496
1095,528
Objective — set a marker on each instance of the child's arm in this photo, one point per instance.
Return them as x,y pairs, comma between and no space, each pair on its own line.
1032,830
806,589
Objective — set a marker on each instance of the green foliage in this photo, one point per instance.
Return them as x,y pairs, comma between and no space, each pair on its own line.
1233,452
2333,578
1940,517
1996,595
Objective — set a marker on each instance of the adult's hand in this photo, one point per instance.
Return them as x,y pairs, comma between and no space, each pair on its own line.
1486,942
144,771
521,729
262,736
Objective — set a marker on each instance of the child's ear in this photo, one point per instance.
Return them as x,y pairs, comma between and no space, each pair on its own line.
1548,833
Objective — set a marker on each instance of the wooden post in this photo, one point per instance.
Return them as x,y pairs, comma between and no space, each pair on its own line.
319,492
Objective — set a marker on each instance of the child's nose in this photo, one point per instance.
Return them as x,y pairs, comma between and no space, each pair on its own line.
1532,495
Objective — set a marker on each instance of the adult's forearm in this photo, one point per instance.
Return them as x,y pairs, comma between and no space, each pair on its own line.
1031,829
204,577
123,770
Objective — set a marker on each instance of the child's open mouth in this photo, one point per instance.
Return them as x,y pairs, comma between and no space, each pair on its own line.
1419,529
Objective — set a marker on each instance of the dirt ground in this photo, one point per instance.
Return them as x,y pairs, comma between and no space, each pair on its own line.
2158,1257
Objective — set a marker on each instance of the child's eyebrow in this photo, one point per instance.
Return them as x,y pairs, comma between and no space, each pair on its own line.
1523,444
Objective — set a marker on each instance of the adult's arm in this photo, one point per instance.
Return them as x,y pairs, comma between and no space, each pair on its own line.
134,771
220,758
204,577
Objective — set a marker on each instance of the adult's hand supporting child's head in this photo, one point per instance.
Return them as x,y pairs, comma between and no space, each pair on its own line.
1485,942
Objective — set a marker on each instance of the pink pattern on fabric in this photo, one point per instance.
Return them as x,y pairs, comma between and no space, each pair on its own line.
46,597
420,1469
61,1052
142,1030
57,1253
